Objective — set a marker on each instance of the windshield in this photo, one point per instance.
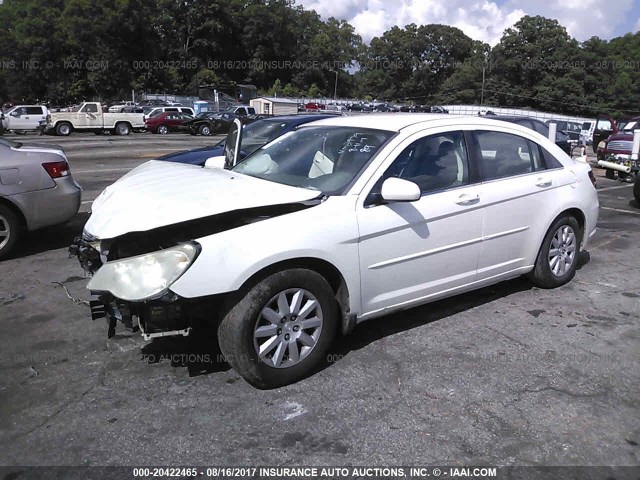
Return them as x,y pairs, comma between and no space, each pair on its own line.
319,158
10,143
631,126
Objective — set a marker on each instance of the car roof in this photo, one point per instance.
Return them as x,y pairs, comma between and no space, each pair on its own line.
398,121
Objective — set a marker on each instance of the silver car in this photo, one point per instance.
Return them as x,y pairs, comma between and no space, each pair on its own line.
36,190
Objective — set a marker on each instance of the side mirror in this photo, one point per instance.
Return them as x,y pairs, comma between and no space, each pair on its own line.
214,162
400,190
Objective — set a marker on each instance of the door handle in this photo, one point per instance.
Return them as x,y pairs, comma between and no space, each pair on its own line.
542,183
466,200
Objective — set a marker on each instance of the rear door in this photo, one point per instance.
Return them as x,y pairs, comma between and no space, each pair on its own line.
517,185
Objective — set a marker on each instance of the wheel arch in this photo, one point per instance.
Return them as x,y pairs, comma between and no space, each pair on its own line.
15,209
327,270
580,217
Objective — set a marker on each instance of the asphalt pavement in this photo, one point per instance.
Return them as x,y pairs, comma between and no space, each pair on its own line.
508,375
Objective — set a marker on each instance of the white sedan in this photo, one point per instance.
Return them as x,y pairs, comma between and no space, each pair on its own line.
340,221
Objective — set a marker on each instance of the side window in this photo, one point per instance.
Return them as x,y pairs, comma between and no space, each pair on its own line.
252,111
90,108
34,110
506,155
434,162
549,160
170,109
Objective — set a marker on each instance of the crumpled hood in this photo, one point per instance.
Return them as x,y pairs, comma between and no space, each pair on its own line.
159,193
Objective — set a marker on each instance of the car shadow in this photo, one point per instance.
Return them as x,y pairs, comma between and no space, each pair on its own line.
376,329
200,353
49,238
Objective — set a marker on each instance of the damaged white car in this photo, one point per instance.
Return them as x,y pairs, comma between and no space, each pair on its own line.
340,221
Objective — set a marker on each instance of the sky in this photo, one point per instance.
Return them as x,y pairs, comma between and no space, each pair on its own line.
484,20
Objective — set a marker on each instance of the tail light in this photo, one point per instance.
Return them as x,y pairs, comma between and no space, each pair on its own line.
57,169
592,177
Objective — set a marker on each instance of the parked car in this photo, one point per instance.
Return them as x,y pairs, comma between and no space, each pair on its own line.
22,118
221,122
254,136
158,110
166,122
122,107
36,190
89,117
337,222
314,106
562,140
615,154
571,129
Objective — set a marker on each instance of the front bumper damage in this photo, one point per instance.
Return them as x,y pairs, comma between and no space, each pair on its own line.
167,315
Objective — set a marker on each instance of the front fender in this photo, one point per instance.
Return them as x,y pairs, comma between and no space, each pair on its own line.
228,259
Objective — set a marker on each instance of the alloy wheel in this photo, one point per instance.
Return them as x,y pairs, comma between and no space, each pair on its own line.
288,328
562,252
5,232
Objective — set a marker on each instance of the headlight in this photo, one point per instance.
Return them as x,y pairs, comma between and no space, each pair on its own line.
145,276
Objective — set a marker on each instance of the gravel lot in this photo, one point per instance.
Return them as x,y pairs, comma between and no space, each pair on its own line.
508,375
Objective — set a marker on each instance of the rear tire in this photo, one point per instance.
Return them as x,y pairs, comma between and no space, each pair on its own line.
636,188
205,130
610,174
10,230
162,129
268,315
557,259
122,128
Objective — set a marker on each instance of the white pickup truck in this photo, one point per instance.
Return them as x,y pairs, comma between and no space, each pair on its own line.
22,118
89,117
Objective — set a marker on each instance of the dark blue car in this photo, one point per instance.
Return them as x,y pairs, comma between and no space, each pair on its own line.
254,136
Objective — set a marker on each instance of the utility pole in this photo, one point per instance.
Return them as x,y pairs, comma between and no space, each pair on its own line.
482,91
335,88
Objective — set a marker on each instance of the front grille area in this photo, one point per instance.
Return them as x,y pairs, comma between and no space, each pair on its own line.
620,145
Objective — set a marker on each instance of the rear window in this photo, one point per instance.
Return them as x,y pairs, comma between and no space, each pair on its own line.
506,155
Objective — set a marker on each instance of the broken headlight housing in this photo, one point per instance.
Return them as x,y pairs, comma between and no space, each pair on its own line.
144,277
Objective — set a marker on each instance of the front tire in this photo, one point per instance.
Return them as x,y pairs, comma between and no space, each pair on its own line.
281,329
558,256
63,129
205,130
10,230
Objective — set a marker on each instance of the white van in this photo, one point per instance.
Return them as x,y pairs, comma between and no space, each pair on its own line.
24,117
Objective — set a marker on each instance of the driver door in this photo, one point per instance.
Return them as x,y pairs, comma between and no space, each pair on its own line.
411,251
89,116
